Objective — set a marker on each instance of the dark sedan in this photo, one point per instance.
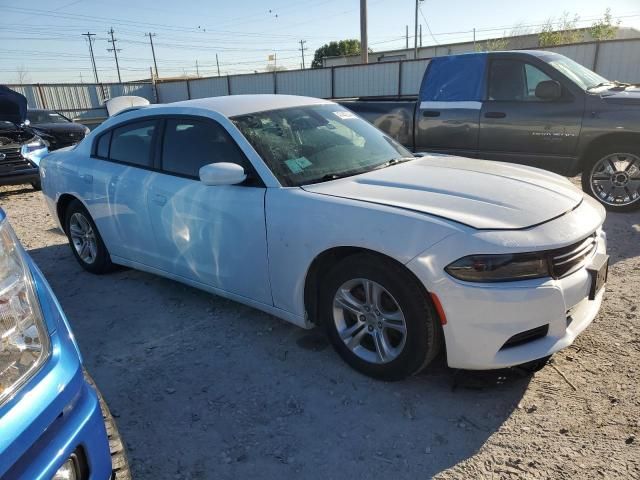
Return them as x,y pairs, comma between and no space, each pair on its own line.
56,129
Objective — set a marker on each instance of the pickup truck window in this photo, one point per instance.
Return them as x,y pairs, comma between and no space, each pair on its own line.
454,79
310,144
514,81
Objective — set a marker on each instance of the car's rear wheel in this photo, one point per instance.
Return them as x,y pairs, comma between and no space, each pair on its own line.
379,318
85,240
613,178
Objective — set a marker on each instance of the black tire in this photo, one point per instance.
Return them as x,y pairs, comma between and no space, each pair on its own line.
37,185
119,460
102,261
424,335
590,164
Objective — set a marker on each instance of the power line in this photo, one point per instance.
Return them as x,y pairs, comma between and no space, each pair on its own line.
115,52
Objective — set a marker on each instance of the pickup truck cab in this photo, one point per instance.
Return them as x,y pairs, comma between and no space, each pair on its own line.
535,108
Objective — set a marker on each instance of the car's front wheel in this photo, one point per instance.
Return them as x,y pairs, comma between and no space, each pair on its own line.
85,240
613,178
379,318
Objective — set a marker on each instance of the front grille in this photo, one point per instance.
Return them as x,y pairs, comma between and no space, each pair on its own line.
13,162
567,260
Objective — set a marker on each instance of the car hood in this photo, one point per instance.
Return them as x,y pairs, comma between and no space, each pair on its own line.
629,96
13,106
478,193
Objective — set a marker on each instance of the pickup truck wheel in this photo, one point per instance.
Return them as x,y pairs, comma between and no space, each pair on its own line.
379,318
119,461
85,240
614,178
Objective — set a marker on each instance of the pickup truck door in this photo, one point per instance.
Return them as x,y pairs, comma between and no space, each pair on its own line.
447,116
516,126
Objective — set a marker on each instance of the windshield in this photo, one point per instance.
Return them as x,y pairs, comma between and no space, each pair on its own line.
46,117
309,144
584,77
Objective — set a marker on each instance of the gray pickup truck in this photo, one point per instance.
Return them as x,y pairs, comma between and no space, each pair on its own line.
530,107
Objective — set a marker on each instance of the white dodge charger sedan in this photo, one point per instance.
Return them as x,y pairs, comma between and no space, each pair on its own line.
300,208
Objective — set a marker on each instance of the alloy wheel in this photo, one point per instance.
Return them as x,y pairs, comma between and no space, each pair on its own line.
369,321
83,238
615,179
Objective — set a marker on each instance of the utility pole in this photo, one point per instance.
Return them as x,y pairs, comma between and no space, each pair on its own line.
217,64
197,69
302,49
474,39
153,52
406,36
421,35
364,44
415,38
93,60
115,52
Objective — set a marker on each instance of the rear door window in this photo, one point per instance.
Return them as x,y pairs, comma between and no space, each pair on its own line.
189,144
454,79
133,143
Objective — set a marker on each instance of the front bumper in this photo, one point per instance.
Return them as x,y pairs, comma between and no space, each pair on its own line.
482,317
31,175
56,413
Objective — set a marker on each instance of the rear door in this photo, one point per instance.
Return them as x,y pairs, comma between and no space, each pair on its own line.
516,126
213,235
117,177
448,113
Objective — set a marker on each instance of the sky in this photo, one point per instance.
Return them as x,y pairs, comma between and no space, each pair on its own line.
41,40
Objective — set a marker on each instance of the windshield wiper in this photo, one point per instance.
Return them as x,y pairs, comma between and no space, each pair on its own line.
393,161
615,84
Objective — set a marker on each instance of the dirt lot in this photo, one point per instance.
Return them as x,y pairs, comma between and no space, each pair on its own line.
206,388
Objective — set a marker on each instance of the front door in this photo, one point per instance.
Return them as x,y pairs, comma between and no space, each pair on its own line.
213,235
517,126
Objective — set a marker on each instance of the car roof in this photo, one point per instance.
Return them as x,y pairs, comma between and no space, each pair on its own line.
233,105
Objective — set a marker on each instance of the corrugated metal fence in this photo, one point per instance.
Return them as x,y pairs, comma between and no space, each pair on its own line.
615,59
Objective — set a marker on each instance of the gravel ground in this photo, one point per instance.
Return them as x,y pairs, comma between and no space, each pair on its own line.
203,387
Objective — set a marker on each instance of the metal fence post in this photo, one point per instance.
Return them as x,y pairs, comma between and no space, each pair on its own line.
228,85
43,100
333,81
400,78
188,90
275,82
595,57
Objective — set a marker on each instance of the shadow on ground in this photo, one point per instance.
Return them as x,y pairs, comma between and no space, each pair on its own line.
203,387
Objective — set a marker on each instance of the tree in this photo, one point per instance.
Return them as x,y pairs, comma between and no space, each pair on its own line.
335,49
492,45
604,29
22,74
560,31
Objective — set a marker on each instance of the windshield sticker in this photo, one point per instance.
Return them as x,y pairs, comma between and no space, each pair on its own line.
344,114
296,165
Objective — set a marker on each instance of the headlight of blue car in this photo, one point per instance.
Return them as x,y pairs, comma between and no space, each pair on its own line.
24,341
35,150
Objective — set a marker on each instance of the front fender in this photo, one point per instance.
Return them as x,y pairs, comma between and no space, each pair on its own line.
302,225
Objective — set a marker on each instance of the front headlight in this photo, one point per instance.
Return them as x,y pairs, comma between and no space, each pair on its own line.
499,268
24,340
35,150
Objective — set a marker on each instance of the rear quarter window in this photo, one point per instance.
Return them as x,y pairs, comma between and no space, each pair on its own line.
102,145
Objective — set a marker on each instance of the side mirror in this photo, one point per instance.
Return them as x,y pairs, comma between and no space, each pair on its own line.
548,90
222,174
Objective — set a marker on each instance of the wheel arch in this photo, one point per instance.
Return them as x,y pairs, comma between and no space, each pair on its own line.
62,204
322,264
604,142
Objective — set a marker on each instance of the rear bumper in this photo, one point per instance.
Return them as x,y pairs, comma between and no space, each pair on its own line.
56,413
25,176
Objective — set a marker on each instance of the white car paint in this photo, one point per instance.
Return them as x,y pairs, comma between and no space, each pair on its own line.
256,245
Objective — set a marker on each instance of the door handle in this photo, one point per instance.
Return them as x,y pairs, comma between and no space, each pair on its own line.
495,114
159,199
430,113
87,178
